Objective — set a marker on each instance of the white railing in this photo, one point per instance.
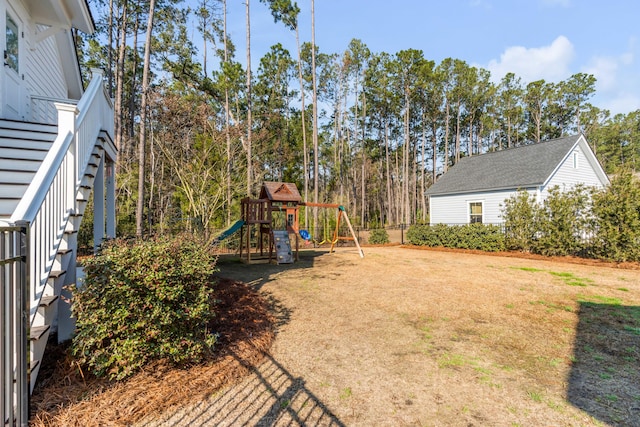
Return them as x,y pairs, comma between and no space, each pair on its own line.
50,199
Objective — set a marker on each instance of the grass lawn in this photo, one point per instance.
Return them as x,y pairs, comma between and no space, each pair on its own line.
431,338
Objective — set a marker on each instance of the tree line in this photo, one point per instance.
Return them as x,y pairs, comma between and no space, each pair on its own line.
197,130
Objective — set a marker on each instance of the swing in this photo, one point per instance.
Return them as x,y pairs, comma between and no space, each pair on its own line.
307,236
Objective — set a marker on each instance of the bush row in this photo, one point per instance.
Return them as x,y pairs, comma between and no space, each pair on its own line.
470,236
584,222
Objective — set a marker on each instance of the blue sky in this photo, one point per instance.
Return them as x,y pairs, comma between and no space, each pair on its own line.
536,39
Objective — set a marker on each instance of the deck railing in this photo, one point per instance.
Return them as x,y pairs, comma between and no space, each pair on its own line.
14,309
50,199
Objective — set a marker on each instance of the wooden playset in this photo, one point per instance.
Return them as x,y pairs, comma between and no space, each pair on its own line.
269,221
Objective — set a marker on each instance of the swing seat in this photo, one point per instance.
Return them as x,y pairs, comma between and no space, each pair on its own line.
305,235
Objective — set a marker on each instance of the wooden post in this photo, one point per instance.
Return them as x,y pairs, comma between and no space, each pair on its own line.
355,239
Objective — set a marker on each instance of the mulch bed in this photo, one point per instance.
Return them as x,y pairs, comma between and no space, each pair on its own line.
526,255
65,395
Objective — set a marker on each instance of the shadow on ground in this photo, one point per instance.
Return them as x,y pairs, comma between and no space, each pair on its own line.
605,377
257,275
269,396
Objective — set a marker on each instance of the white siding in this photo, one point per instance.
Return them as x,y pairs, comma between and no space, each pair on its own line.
567,176
454,209
45,77
42,72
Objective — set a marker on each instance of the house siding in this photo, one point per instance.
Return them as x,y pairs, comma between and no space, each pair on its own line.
45,77
42,72
567,177
453,208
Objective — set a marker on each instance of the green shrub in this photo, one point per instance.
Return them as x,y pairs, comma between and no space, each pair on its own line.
563,222
378,236
143,301
470,236
617,215
519,213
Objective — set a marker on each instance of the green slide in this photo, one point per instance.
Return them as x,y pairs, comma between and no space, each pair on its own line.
229,231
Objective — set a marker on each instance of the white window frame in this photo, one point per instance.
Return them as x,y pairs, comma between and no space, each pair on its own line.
469,203
576,158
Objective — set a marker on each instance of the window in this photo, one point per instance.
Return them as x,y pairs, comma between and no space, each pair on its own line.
475,212
11,51
575,160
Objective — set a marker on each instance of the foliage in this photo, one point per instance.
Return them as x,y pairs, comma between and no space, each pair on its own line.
378,236
617,213
562,222
519,213
483,237
143,301
387,120
559,226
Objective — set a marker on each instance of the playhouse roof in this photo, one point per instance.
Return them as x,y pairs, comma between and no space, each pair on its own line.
280,192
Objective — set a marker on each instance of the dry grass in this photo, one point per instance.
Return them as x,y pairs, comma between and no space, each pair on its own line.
414,337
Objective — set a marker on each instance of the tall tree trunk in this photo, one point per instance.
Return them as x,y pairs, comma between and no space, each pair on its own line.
134,67
143,121
110,53
445,163
315,113
390,215
122,48
305,151
249,107
423,166
227,114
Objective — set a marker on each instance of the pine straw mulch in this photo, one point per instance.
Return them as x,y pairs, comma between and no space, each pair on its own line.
626,265
67,396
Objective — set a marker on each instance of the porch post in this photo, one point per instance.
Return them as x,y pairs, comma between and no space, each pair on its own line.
98,206
111,199
67,124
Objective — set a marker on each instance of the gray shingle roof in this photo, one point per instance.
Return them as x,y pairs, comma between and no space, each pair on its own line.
520,167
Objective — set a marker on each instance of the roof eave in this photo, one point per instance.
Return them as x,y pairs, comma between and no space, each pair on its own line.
485,190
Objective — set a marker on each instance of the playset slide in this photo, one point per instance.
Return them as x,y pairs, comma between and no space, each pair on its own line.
229,231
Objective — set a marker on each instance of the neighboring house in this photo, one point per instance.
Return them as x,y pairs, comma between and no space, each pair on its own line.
474,190
56,149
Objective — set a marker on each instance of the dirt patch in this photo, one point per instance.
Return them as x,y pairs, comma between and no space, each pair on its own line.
430,337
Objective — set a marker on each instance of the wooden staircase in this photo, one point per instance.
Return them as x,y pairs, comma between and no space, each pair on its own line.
47,174
23,147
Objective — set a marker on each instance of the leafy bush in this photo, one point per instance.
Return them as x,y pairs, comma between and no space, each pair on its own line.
143,301
470,236
378,236
519,213
617,216
562,222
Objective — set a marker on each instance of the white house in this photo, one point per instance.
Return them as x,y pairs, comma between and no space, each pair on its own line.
475,188
56,149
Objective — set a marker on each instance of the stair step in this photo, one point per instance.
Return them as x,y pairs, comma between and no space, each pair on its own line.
37,332
17,177
56,273
23,154
26,165
16,126
63,252
47,300
33,365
